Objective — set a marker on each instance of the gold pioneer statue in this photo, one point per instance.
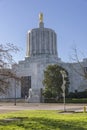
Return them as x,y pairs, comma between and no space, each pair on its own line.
41,17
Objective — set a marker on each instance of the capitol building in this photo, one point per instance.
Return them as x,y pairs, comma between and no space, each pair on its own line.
41,51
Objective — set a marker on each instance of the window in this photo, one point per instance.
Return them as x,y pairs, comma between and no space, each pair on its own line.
25,85
85,69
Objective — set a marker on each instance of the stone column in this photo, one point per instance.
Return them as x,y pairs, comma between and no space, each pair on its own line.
40,41
35,43
47,42
27,47
50,42
30,44
54,42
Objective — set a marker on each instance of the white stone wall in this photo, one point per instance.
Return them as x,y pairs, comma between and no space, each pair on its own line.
77,81
35,68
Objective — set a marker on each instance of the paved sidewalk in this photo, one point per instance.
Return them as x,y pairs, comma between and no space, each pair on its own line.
7,107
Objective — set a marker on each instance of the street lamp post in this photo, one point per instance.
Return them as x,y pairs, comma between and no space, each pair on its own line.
15,93
63,86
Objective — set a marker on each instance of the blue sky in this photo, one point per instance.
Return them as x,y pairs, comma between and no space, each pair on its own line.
67,17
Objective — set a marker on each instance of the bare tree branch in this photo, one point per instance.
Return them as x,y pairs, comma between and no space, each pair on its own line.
75,58
6,61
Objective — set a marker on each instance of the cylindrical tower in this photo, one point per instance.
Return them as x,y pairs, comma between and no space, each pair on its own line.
41,41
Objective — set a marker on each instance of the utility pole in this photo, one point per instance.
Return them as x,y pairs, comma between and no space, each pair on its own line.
15,93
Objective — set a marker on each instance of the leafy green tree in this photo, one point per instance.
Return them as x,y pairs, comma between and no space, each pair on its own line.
53,81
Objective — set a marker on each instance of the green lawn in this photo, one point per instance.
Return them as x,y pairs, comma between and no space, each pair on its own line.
43,120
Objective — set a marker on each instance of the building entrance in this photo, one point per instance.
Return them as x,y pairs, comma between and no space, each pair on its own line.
25,85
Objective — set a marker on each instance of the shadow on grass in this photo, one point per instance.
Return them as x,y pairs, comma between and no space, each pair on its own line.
42,124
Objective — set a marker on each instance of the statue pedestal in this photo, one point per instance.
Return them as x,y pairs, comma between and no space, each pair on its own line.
34,97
